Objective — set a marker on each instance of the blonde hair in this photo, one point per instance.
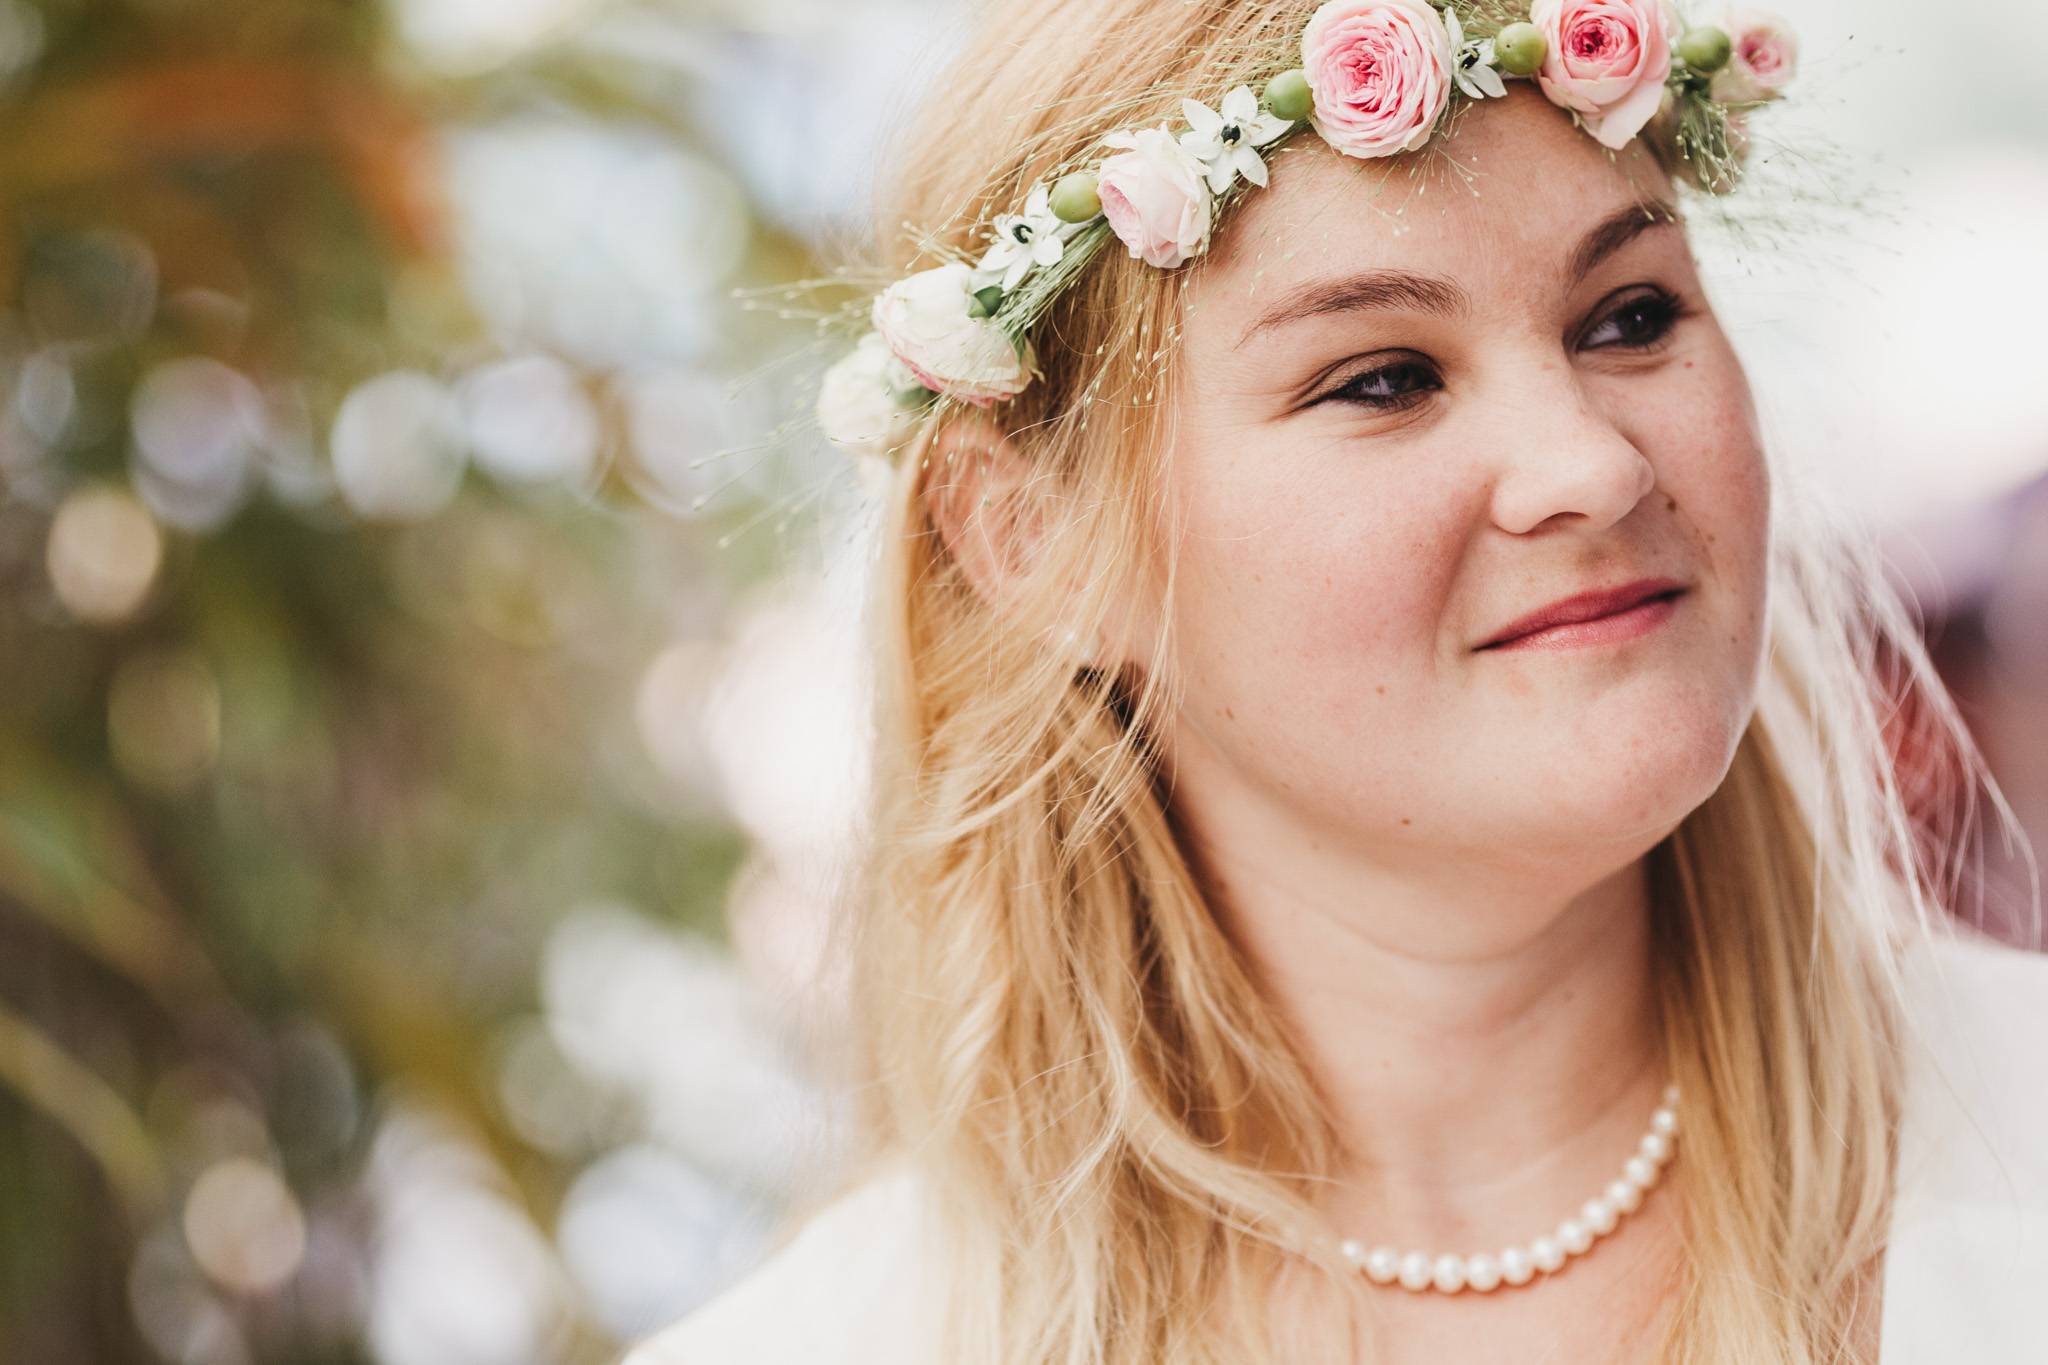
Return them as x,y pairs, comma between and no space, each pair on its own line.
1119,1138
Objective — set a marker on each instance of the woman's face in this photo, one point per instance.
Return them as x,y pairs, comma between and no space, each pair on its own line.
1474,513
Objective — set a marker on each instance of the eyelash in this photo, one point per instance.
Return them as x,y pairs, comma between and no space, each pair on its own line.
1659,309
1353,390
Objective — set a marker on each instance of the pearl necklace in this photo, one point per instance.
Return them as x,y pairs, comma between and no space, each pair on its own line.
1449,1273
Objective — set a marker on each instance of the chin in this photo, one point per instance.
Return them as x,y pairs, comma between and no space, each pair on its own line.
1637,768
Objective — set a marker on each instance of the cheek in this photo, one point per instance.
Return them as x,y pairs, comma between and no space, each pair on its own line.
1335,569
1713,492
1306,611
1709,462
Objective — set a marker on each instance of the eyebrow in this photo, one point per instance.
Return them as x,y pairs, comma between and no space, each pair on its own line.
1619,229
1397,289
1374,289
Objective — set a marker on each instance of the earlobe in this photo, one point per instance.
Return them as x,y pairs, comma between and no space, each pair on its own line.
979,493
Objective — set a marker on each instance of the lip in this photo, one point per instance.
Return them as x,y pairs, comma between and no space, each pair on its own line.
1606,616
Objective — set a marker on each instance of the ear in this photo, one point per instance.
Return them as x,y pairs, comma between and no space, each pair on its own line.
995,515
984,505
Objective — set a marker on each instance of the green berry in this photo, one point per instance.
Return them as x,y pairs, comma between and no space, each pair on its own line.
984,302
1289,97
1075,198
1521,49
1706,49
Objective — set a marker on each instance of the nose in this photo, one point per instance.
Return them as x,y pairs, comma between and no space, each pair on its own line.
1565,462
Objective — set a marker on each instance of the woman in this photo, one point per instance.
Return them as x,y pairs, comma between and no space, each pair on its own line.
1385,851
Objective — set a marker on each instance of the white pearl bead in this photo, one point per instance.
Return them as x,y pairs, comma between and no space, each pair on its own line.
1449,1274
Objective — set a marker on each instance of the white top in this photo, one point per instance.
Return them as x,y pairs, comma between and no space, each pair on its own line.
1965,1277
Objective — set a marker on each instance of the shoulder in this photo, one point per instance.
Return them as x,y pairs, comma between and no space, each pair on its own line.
848,1288
1969,1241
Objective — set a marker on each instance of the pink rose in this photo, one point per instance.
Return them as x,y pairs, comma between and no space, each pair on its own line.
1156,198
1766,56
1380,71
926,321
1608,62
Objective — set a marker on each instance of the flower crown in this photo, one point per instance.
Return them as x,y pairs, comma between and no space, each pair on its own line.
1377,78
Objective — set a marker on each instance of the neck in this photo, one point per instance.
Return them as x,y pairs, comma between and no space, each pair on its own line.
1486,1044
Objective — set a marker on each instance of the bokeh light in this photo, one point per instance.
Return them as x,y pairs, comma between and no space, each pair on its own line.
46,396
550,1103
530,421
669,708
605,243
648,1238
469,35
21,38
244,1226
694,447
179,1313
196,424
462,1275
397,447
103,554
786,720
669,1020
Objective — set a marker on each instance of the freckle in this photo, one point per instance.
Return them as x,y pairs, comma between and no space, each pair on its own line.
1407,822
1710,537
1230,714
1381,690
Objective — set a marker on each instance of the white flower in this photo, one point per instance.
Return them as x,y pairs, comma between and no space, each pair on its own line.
928,323
1472,64
868,403
1226,143
1035,237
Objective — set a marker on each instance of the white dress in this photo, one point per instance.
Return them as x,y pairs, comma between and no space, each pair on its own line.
1966,1270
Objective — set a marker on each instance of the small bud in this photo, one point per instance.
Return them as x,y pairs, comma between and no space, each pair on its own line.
985,302
1289,97
1521,49
1705,49
1075,199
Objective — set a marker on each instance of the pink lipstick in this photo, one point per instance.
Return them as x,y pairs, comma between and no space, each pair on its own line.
1608,616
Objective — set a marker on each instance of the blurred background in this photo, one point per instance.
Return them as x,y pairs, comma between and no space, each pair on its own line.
430,713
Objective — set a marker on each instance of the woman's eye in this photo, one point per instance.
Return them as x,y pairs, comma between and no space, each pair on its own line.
1637,323
1389,386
